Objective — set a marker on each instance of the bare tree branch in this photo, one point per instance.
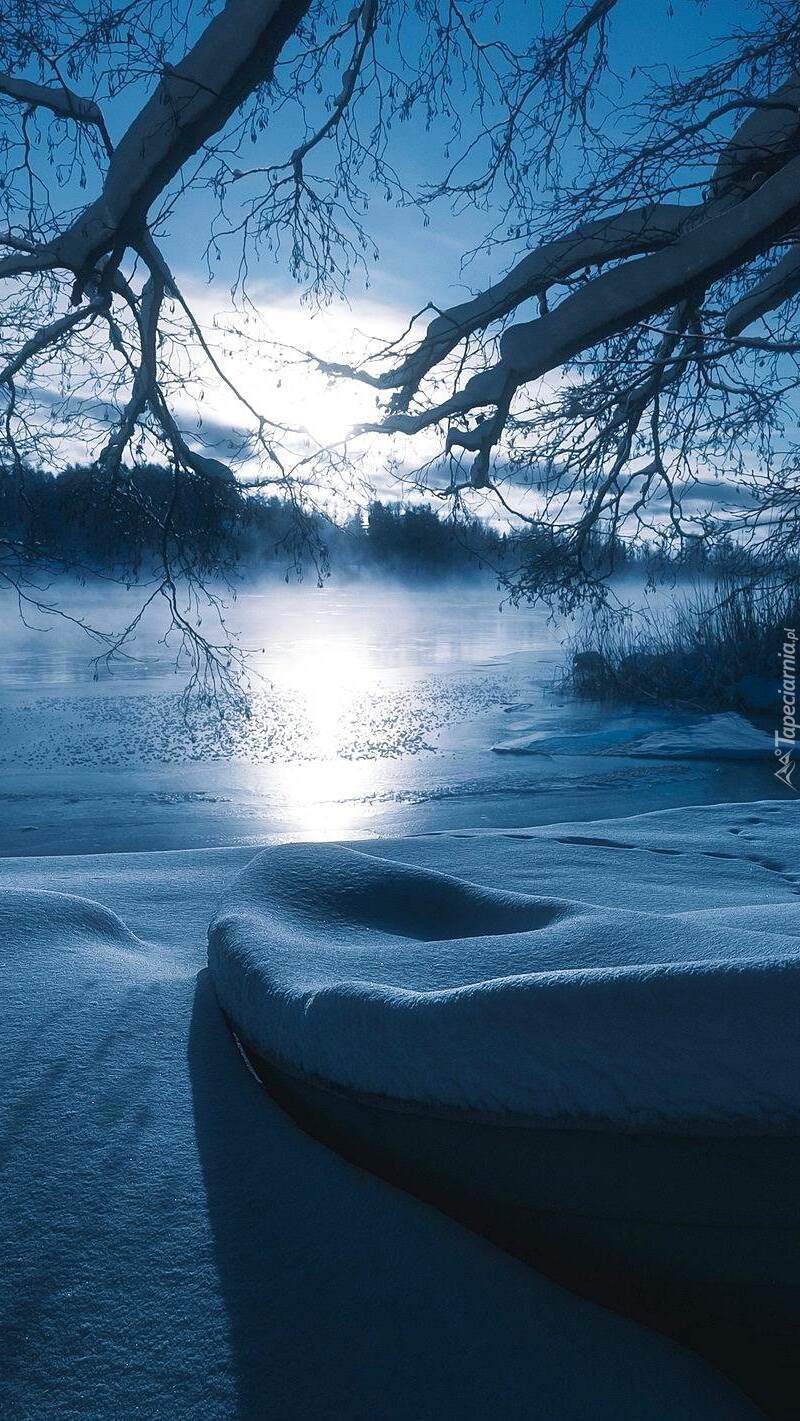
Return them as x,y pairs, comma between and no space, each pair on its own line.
61,101
780,283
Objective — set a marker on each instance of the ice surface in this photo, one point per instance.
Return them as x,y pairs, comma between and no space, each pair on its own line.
617,735
716,737
635,1010
173,1247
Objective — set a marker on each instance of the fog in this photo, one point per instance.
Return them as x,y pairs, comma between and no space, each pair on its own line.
374,707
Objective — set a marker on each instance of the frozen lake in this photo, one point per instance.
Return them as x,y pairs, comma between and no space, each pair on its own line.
375,709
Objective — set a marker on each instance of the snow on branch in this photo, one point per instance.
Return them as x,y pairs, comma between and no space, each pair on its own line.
59,100
145,382
48,336
592,244
764,139
781,283
662,255
616,300
193,100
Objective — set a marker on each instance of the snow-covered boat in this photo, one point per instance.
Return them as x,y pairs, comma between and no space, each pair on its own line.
611,1093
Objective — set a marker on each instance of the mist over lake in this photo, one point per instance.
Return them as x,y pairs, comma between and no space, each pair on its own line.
374,708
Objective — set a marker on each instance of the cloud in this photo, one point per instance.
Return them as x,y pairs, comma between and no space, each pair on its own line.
719,494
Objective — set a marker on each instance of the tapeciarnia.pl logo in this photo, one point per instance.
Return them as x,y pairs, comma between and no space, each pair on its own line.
786,735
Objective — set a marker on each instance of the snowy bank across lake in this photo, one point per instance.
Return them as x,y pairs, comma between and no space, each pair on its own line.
175,1247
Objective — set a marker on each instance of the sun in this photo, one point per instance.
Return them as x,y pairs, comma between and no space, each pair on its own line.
267,358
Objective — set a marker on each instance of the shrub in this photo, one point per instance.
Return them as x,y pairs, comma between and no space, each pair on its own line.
718,648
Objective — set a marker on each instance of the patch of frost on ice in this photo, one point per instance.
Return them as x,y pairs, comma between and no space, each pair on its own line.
717,737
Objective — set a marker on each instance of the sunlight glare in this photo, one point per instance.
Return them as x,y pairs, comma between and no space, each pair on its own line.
328,680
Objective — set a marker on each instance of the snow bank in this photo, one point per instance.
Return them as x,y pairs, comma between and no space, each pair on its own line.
80,925
396,981
690,859
173,1246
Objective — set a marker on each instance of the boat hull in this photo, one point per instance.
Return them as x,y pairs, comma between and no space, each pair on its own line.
696,1235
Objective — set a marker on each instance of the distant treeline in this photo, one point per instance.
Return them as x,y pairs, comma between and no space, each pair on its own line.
81,519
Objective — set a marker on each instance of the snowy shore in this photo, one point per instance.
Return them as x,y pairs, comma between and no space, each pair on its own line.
176,1247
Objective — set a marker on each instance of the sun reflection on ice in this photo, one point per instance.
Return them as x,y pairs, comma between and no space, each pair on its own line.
324,793
325,799
359,687
328,680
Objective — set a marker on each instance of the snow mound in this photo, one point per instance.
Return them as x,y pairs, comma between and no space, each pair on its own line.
398,982
609,1092
31,919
